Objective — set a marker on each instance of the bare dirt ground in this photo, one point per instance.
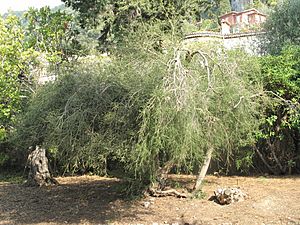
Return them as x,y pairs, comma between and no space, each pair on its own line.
97,200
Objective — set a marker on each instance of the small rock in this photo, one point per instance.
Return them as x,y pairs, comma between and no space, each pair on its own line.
147,204
228,195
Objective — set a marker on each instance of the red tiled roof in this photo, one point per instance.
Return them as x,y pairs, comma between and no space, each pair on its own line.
254,11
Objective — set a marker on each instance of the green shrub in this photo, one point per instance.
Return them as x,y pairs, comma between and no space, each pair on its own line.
89,117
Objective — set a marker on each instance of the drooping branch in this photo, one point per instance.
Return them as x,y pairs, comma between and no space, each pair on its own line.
264,160
204,57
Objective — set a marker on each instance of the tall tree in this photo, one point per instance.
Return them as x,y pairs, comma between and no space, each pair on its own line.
54,33
240,5
14,71
208,104
280,73
282,27
225,6
119,18
88,9
279,141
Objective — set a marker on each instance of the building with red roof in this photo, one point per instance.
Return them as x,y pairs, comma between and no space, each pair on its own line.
245,21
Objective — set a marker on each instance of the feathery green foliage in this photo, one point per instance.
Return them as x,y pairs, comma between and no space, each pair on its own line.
205,101
89,117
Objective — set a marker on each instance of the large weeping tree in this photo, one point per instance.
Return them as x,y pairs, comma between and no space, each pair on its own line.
208,103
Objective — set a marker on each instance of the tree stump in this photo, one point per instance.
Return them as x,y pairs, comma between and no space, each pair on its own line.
39,174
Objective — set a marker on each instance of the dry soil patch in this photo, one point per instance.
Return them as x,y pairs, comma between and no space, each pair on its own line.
97,200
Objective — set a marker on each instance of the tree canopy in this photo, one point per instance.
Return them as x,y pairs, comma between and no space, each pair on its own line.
280,74
54,33
282,27
152,103
14,71
119,18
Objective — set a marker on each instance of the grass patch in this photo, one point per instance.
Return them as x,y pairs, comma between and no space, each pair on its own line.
199,194
12,177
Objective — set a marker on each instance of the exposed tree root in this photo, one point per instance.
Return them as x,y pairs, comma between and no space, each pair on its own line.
163,193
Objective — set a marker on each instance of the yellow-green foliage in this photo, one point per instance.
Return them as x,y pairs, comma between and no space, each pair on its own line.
15,62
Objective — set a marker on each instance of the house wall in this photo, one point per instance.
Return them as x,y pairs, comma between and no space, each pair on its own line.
225,28
242,20
248,43
231,19
46,78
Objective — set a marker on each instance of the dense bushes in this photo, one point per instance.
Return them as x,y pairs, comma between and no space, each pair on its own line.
90,115
156,104
279,137
278,142
83,118
140,114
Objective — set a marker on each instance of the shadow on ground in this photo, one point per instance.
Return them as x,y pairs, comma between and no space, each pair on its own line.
94,202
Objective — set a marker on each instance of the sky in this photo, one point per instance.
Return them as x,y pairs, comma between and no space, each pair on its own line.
19,5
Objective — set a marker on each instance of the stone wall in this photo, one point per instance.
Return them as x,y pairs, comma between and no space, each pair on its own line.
246,41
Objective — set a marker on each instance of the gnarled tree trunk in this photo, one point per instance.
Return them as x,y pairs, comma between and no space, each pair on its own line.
39,174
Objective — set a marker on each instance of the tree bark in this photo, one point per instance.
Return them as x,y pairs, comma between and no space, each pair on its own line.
162,175
271,147
39,174
264,161
172,192
204,169
297,149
